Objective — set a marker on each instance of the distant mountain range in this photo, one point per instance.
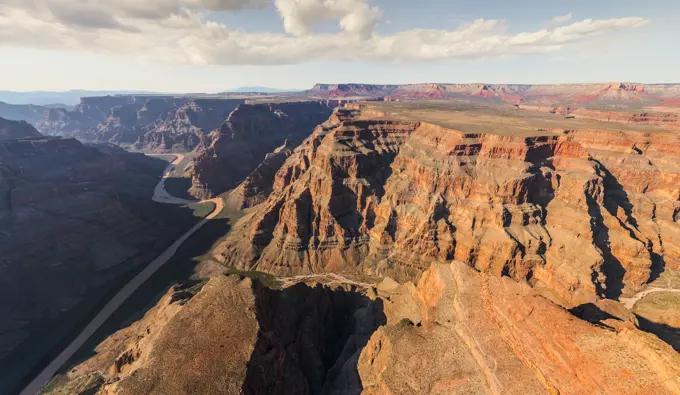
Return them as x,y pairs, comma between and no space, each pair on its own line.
260,89
54,99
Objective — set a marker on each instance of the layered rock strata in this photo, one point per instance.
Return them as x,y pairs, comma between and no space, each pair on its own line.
150,123
668,120
597,94
575,213
458,331
256,188
249,134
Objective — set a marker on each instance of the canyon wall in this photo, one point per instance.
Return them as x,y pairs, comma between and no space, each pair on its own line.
458,331
249,134
74,220
10,130
579,214
149,123
618,93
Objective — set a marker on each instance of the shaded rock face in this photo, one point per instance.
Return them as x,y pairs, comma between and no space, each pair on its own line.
16,130
150,123
256,188
251,132
581,214
306,338
22,112
73,221
235,336
458,331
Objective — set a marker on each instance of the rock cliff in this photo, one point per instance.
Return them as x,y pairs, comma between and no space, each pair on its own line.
74,220
10,130
149,123
617,93
458,331
249,134
579,214
256,188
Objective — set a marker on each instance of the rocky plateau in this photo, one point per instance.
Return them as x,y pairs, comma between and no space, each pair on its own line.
579,214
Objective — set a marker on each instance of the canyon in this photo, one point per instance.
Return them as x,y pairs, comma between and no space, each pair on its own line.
603,94
248,135
499,239
74,221
145,123
458,331
577,213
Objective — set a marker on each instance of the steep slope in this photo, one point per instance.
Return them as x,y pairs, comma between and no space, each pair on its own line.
256,188
250,132
480,334
458,332
10,130
576,213
73,221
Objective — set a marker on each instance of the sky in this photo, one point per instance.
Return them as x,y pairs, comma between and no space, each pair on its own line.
216,45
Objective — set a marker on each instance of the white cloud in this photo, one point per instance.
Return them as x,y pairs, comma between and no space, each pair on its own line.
562,18
177,31
354,16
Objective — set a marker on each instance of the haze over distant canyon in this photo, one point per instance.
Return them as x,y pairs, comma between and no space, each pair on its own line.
339,197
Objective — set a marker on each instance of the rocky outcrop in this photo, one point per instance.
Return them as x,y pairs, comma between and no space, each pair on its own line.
250,132
256,188
579,214
148,123
236,337
458,331
184,128
74,221
10,130
482,334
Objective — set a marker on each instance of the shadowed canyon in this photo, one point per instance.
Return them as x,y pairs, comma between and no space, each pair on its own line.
375,239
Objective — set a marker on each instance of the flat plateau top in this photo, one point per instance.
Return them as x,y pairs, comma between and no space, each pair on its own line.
500,119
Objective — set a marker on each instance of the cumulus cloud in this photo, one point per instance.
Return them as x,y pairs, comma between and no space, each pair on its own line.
354,16
178,31
562,18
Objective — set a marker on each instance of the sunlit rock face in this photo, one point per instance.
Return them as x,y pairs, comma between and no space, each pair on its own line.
579,213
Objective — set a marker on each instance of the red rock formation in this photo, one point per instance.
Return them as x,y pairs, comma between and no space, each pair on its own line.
667,120
458,332
603,93
575,214
250,132
484,334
